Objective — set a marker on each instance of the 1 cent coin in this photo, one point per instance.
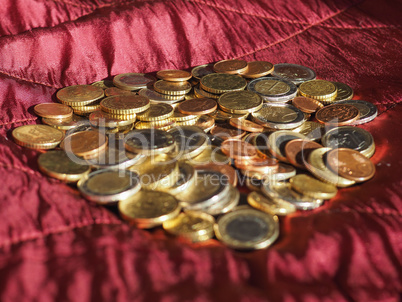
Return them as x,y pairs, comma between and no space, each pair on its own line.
198,106
238,149
84,143
53,110
298,150
350,164
225,131
246,125
257,69
338,114
307,105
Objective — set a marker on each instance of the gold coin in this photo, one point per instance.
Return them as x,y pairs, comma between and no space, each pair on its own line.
156,112
269,205
186,179
174,75
246,228
311,130
210,155
37,136
312,187
104,84
85,143
187,123
58,165
125,104
160,125
157,172
272,87
191,225
103,119
345,92
240,102
156,97
222,116
64,124
123,117
181,117
318,168
53,110
79,95
231,66
148,209
172,88
85,109
133,81
318,90
222,82
200,93
117,91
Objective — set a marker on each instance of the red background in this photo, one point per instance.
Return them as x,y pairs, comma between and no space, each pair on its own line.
56,246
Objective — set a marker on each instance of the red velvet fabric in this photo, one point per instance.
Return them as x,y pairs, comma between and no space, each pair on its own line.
55,246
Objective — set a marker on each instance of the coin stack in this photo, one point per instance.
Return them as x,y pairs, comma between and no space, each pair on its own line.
171,152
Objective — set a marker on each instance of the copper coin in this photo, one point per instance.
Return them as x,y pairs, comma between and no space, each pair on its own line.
350,164
205,122
298,150
117,91
257,69
79,95
198,106
307,105
231,66
53,110
225,131
84,143
238,149
222,168
246,125
337,114
257,164
174,75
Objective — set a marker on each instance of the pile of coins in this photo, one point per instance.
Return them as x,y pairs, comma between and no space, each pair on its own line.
171,150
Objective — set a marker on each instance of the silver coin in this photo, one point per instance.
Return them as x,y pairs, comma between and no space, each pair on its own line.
108,186
156,97
115,156
186,180
297,74
226,204
279,116
267,90
348,137
278,140
279,190
190,140
368,111
149,141
246,228
345,92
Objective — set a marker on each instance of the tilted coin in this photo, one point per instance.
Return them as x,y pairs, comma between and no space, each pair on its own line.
53,110
231,66
277,141
337,114
279,116
222,82
174,75
317,166
225,131
84,143
349,137
307,105
199,71
238,149
191,225
312,187
185,181
64,124
57,164
240,102
368,111
156,112
350,164
298,150
344,92
125,104
226,203
190,141
201,93
246,228
37,136
273,89
100,118
149,141
293,72
246,125
270,206
205,122
319,90
79,95
181,117
281,190
109,186
133,81
257,164
172,88
117,91
148,209
156,97
198,106
257,69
